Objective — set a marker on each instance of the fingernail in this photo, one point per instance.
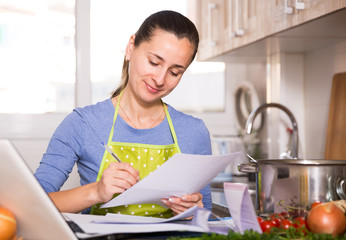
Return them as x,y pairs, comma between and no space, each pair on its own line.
163,200
171,200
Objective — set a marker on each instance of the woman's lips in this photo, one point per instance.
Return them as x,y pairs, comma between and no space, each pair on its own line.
151,89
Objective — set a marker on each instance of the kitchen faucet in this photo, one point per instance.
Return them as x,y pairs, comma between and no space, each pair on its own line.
252,116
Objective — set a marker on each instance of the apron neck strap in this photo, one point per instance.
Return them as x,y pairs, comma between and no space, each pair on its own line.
170,123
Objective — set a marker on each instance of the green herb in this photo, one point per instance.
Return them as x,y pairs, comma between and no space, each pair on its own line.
288,234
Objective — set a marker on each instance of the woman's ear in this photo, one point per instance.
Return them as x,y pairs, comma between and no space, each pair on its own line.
130,46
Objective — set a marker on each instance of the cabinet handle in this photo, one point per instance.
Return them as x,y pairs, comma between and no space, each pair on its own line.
299,5
238,22
239,31
211,7
288,10
231,33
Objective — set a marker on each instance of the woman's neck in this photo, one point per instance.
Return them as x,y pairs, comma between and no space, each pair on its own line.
138,114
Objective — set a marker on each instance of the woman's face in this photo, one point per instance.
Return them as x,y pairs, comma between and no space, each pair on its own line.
156,66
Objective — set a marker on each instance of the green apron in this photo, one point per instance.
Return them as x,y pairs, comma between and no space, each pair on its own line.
144,157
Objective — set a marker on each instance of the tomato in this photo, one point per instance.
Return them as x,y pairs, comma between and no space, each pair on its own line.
259,219
276,218
299,222
286,224
285,214
315,204
277,221
267,225
276,215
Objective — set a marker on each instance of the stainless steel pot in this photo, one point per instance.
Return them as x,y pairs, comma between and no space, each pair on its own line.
296,182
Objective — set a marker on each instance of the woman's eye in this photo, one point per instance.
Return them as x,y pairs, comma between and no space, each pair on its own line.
153,63
174,74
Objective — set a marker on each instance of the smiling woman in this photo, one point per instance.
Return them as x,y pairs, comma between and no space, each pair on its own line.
111,24
135,123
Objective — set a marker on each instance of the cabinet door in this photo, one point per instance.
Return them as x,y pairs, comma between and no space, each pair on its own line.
210,16
285,14
247,21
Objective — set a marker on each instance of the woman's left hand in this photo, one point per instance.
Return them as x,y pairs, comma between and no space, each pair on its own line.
179,205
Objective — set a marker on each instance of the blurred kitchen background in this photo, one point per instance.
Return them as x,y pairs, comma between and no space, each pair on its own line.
56,55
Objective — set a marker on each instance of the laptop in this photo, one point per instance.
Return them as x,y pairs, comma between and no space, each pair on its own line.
20,192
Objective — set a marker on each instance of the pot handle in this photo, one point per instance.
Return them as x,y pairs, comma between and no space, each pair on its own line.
248,168
340,183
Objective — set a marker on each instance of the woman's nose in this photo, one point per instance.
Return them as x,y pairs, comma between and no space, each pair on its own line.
159,77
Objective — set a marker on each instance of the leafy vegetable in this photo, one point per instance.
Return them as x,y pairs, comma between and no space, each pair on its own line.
288,234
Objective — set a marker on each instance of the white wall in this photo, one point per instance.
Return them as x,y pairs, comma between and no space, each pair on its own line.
320,66
302,82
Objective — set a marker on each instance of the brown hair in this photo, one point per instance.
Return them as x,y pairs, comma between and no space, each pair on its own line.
168,21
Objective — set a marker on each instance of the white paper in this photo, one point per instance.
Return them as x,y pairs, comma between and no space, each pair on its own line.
240,207
182,174
97,224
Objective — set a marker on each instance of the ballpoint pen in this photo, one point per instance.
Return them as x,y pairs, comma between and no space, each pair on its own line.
110,151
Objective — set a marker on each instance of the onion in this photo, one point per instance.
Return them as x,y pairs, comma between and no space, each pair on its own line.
8,224
326,218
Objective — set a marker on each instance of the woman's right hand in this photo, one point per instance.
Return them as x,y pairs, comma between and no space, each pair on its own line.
116,179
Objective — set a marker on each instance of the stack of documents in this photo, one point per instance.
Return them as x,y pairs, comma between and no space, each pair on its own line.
182,174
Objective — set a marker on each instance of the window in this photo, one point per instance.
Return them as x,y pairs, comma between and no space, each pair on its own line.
37,56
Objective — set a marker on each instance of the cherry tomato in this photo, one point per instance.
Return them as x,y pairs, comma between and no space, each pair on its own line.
267,225
259,219
277,221
315,204
276,218
276,215
286,224
285,214
299,222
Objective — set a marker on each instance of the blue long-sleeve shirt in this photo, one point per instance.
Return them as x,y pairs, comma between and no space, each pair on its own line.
77,140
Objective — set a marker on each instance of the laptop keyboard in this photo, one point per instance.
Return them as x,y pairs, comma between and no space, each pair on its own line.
75,228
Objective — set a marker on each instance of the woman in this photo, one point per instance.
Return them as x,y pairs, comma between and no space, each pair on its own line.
142,130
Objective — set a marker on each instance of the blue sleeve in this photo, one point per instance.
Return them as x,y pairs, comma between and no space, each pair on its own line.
62,153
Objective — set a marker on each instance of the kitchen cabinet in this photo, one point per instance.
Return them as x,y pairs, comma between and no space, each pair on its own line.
210,17
226,25
245,22
285,14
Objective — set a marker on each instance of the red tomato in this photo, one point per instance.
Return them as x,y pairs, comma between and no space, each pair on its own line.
276,215
267,225
259,219
276,218
315,204
285,214
286,224
299,222
277,221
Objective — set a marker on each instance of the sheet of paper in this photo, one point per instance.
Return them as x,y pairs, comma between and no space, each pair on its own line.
181,174
240,207
96,224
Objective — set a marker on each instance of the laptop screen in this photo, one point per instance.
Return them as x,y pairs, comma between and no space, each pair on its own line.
20,192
